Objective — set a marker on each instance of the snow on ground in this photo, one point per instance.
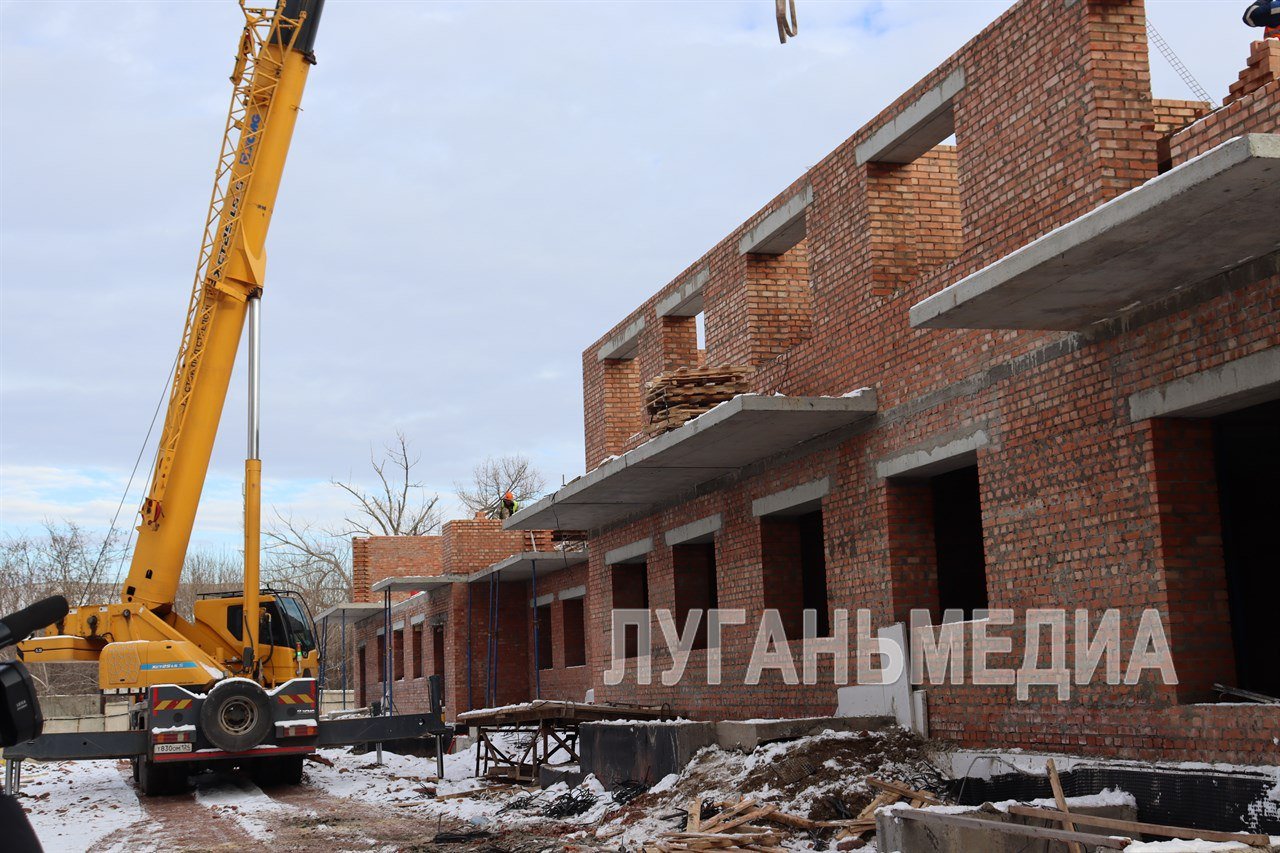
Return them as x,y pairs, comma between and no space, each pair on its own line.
74,805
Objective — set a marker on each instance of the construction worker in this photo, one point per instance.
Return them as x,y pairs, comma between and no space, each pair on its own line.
1265,14
509,505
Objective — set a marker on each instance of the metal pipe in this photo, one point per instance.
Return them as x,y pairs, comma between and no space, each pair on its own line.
255,374
252,501
537,648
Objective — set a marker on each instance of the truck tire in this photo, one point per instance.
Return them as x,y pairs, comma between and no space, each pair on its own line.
159,780
236,715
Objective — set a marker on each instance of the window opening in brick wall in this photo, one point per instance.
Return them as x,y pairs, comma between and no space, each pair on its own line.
574,635
438,655
382,657
794,562
397,654
694,570
362,694
1247,451
544,637
700,330
957,536
630,592
419,652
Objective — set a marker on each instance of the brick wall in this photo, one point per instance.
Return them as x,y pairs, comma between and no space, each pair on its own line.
1080,506
374,558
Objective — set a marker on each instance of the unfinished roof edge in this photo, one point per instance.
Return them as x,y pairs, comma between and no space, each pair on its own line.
916,128
953,306
686,300
623,345
780,230
861,402
348,608
528,559
415,583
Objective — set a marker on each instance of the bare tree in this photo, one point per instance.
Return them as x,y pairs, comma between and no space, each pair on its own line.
399,506
494,477
314,561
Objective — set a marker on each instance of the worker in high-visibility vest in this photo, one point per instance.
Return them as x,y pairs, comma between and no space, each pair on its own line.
509,506
1265,14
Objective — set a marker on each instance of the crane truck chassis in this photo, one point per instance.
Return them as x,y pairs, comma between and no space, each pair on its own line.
237,683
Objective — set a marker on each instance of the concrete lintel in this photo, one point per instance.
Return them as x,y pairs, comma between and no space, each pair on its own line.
921,125
542,600
417,620
794,501
1234,385
780,230
943,454
632,553
625,344
701,530
573,592
686,300
398,625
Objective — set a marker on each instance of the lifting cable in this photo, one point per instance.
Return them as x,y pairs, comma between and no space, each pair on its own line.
787,26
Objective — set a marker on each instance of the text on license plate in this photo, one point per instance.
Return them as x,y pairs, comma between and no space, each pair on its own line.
172,747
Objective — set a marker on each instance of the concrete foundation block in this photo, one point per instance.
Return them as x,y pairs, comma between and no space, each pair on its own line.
746,735
640,751
897,834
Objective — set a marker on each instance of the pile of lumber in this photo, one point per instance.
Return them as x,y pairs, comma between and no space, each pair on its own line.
736,825
732,828
676,397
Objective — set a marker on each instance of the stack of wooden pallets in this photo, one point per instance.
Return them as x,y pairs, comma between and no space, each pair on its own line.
676,397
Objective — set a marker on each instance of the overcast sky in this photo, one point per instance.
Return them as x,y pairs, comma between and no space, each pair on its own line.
475,192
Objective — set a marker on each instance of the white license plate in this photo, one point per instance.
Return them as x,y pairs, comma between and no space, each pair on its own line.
171,747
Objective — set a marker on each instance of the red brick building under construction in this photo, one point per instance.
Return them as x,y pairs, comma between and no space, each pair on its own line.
1015,344
499,615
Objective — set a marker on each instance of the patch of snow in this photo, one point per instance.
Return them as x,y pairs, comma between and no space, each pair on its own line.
73,806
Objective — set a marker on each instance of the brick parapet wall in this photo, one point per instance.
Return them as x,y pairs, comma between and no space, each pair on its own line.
375,558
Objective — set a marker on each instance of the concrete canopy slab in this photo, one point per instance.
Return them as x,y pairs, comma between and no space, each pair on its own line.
1208,215
520,567
735,434
416,583
351,611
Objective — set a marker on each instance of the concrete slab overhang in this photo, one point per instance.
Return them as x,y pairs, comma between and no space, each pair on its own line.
520,567
735,434
350,611
416,583
1206,216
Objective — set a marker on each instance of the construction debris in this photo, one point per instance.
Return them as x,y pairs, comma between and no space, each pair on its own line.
676,397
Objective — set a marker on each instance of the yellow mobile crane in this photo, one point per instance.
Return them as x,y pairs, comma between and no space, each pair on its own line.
239,682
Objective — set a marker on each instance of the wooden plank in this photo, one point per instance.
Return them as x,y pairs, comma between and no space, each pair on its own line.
728,813
1061,799
969,822
1181,832
754,814
903,791
695,814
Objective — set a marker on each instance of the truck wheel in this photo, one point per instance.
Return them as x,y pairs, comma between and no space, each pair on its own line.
157,780
236,715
